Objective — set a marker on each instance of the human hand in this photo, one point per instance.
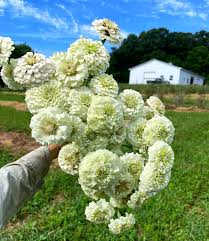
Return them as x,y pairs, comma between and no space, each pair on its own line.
54,150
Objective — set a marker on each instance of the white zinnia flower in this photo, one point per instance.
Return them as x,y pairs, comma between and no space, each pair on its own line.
159,128
148,113
124,184
134,132
137,199
99,212
155,175
71,71
51,125
105,115
47,95
122,223
79,101
92,53
108,30
7,74
104,85
6,48
134,164
98,172
153,179
132,103
33,69
156,105
78,134
162,154
69,158
56,57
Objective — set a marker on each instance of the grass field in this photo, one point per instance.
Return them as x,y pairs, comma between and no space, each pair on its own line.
172,96
179,213
5,96
167,89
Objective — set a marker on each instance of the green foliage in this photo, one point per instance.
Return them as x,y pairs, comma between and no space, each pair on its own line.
11,119
4,96
187,50
5,157
20,50
180,212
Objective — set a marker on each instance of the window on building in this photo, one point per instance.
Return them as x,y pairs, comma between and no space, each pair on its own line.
171,77
162,76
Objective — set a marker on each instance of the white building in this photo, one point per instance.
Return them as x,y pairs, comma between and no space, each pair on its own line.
157,70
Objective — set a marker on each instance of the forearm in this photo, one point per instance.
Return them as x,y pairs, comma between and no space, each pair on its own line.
20,180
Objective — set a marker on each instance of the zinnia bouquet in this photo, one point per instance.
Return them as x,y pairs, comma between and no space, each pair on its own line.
117,145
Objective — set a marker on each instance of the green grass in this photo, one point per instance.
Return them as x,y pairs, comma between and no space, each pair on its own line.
186,102
11,119
179,213
4,96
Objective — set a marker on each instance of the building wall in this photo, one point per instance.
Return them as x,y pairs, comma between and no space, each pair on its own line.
154,68
185,78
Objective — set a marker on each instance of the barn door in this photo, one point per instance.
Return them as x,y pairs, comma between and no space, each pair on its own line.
149,76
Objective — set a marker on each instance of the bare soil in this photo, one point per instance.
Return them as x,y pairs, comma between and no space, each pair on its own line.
188,109
17,143
15,104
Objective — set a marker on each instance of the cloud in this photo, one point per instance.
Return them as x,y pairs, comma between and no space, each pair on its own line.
181,8
87,30
69,27
79,29
23,9
74,22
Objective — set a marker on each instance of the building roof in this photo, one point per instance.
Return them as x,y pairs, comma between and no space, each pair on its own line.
170,64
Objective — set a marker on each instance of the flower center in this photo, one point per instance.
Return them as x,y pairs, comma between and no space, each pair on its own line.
105,83
101,173
86,99
109,110
122,187
130,102
31,60
51,129
134,169
139,131
92,49
70,69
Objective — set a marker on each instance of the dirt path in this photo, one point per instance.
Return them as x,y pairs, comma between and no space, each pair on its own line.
15,104
17,143
20,144
188,109
23,107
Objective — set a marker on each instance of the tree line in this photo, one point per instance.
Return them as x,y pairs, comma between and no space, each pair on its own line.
187,50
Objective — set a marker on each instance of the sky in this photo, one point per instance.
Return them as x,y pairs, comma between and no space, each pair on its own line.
50,25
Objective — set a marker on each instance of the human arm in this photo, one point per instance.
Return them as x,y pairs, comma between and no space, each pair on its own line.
20,180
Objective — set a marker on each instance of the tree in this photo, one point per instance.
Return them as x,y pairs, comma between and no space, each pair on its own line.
187,50
198,61
20,50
